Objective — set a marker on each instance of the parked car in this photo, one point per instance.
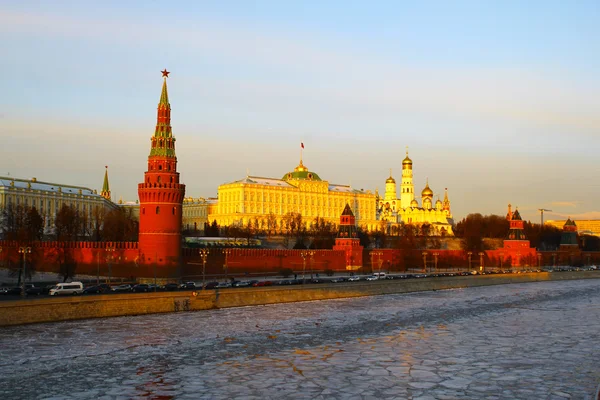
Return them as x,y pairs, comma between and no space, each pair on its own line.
224,285
140,287
14,290
31,289
122,288
96,289
211,285
171,286
241,284
105,288
188,286
155,288
67,288
354,278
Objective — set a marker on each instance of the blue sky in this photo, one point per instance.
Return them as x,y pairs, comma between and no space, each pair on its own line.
497,101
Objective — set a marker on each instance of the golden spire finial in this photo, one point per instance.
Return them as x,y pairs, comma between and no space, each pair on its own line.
406,151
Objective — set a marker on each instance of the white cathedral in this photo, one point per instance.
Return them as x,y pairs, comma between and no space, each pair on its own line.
405,209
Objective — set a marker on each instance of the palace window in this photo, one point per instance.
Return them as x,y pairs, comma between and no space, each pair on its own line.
158,209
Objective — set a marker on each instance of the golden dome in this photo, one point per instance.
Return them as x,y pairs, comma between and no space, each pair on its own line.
407,162
427,192
300,168
390,179
414,203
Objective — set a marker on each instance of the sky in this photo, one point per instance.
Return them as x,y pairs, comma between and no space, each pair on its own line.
496,100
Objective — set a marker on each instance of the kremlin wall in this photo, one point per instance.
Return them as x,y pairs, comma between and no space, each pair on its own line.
162,211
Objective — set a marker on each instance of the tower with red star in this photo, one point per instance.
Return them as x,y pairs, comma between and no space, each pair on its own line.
161,195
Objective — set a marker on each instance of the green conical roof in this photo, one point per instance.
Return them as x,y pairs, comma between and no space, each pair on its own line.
517,216
105,186
163,142
164,95
570,222
347,210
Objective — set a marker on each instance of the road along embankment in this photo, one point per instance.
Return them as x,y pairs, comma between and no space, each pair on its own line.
101,306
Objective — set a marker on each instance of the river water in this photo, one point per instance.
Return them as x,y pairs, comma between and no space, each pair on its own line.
521,341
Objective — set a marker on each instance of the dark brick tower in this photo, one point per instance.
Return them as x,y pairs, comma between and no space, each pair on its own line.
348,240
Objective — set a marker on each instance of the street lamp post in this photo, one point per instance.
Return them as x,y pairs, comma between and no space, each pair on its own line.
24,251
155,268
435,258
311,254
470,253
539,256
204,253
109,259
481,254
424,261
303,254
501,260
227,253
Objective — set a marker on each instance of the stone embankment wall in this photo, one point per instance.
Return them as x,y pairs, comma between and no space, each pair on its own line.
71,308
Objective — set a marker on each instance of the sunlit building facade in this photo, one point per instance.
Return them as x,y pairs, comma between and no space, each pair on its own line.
406,208
195,213
48,198
267,201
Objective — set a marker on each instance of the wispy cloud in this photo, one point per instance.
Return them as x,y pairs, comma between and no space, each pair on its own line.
341,76
578,216
572,204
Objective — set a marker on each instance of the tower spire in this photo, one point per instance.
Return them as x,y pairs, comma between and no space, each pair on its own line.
163,142
164,95
105,186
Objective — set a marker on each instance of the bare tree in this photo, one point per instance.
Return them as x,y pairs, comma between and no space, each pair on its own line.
67,228
120,225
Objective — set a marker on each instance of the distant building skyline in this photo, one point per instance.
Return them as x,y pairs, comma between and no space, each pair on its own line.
497,102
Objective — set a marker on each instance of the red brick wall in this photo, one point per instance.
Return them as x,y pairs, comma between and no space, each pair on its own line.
92,258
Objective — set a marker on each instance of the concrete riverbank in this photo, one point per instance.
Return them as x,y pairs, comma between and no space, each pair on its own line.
101,306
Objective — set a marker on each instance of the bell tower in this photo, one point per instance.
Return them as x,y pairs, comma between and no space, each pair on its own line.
161,195
407,188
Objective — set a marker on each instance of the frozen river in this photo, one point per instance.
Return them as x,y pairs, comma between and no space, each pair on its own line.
522,341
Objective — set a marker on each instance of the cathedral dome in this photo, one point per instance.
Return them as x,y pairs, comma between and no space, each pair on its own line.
301,172
390,180
427,192
414,204
407,162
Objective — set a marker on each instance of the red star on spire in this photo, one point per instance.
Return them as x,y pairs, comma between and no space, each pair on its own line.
165,73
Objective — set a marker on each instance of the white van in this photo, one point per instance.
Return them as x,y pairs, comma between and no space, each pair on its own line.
380,275
67,288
